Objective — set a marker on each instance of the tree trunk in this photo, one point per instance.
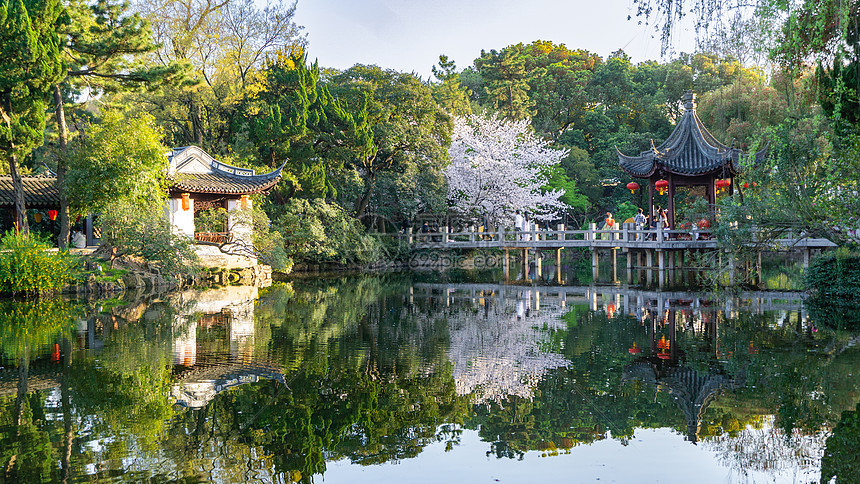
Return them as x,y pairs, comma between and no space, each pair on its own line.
18,187
62,129
365,199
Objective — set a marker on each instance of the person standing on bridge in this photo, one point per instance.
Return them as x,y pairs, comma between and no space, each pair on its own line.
518,225
640,220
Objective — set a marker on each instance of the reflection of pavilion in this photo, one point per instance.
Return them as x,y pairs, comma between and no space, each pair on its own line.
202,373
691,389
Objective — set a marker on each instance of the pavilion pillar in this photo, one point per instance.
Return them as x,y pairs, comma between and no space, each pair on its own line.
650,201
671,202
712,199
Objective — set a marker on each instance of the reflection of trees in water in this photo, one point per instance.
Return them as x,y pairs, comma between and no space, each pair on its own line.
768,449
499,348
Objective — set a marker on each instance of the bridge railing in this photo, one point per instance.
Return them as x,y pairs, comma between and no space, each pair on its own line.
623,234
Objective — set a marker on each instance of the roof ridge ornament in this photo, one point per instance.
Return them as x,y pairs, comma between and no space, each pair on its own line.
688,99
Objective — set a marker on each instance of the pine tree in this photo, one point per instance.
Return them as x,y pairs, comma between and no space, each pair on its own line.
102,47
31,65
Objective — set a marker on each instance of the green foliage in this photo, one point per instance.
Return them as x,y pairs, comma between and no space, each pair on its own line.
317,231
29,54
26,326
143,231
835,274
403,128
211,220
120,160
29,266
841,459
269,243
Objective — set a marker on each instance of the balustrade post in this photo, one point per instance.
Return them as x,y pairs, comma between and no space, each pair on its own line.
409,235
660,235
471,233
592,232
501,236
560,236
444,231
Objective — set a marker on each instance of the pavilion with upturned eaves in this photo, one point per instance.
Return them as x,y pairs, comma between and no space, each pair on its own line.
691,156
198,182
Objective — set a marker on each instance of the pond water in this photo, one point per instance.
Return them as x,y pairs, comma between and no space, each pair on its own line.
405,378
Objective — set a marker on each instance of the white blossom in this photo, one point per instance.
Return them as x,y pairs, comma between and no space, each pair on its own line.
498,167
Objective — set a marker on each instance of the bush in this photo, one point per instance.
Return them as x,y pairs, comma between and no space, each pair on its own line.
29,267
835,274
141,230
316,231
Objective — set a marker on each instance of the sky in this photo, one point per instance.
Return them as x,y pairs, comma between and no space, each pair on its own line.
409,35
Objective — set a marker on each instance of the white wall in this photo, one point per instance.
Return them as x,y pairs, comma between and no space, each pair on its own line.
181,220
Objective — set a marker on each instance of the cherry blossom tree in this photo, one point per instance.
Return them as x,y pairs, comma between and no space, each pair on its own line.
499,167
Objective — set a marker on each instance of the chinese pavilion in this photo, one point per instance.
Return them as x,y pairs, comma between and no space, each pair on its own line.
691,156
199,182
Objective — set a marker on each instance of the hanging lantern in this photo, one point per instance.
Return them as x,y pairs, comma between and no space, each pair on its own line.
52,214
746,185
610,310
243,202
633,186
704,224
722,184
661,185
186,201
634,350
37,217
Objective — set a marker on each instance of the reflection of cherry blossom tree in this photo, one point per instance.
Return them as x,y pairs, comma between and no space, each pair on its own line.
770,450
499,167
499,352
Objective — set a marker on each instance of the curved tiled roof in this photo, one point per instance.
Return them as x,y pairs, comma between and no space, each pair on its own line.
193,170
39,191
690,150
223,183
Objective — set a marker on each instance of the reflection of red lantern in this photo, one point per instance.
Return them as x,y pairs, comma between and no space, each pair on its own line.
704,224
664,356
634,350
186,201
661,185
663,344
52,214
632,186
610,310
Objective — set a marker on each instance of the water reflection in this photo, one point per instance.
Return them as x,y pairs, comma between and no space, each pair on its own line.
234,385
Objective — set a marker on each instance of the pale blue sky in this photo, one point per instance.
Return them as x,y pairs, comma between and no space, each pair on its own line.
409,35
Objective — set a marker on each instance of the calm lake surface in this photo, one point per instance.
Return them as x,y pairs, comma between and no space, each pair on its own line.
427,378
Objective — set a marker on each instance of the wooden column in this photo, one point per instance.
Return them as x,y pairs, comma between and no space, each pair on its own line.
650,202
671,208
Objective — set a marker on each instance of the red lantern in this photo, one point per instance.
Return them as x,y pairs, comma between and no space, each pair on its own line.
661,185
722,184
746,185
704,224
52,214
186,201
634,350
632,186
243,202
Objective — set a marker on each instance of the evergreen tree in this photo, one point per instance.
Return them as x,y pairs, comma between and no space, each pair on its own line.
102,47
31,65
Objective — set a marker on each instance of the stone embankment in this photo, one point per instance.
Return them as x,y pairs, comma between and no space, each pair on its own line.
142,277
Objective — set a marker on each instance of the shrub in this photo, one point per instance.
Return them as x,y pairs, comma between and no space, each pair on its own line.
316,231
141,230
835,274
29,267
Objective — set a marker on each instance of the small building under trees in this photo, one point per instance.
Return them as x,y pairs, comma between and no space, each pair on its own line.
210,202
690,156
